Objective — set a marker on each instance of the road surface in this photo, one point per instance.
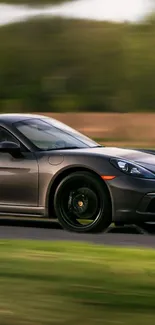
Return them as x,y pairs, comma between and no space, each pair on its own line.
43,230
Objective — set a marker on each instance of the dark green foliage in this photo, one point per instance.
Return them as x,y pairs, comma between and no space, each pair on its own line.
67,65
33,2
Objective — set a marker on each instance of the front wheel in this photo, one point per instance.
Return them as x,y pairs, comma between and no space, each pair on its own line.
82,204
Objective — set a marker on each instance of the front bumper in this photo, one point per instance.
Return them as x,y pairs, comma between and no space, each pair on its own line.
133,199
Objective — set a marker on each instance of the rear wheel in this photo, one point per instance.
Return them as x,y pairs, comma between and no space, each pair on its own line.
82,204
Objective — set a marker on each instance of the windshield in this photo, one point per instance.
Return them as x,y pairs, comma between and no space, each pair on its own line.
49,134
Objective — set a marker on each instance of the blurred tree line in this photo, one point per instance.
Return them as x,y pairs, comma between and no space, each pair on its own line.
34,2
75,65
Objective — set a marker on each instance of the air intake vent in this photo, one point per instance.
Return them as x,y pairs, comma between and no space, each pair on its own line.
151,206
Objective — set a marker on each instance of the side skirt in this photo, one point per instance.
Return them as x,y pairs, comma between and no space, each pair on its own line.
22,211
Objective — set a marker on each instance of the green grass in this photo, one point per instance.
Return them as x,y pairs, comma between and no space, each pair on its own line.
75,284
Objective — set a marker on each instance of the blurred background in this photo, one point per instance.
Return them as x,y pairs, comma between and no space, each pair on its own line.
89,63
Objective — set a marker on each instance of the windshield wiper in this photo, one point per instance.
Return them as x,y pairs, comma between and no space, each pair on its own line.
99,146
65,148
69,148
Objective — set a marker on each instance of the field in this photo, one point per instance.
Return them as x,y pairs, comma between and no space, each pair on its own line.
75,284
130,129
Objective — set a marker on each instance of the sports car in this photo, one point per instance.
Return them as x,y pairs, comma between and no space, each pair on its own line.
50,170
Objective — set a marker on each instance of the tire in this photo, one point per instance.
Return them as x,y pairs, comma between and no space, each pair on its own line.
79,198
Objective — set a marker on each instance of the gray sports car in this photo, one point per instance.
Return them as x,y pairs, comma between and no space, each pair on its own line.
48,169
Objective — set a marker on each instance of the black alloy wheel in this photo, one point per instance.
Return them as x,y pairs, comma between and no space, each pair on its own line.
82,204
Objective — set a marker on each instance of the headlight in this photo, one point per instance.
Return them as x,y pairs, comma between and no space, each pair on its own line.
132,168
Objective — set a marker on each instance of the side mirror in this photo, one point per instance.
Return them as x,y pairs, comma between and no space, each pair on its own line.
10,147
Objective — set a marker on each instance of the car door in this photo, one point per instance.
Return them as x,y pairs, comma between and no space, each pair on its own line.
18,177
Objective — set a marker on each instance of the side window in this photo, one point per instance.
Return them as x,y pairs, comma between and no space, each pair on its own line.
7,136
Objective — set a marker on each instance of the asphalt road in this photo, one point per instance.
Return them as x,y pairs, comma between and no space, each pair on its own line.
44,230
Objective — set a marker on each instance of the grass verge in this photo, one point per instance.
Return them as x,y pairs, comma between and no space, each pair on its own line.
75,284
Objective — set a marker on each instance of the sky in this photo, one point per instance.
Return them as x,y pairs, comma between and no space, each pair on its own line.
114,10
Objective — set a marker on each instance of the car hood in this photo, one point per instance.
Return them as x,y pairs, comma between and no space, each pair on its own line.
145,158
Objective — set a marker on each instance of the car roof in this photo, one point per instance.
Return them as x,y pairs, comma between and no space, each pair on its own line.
13,118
